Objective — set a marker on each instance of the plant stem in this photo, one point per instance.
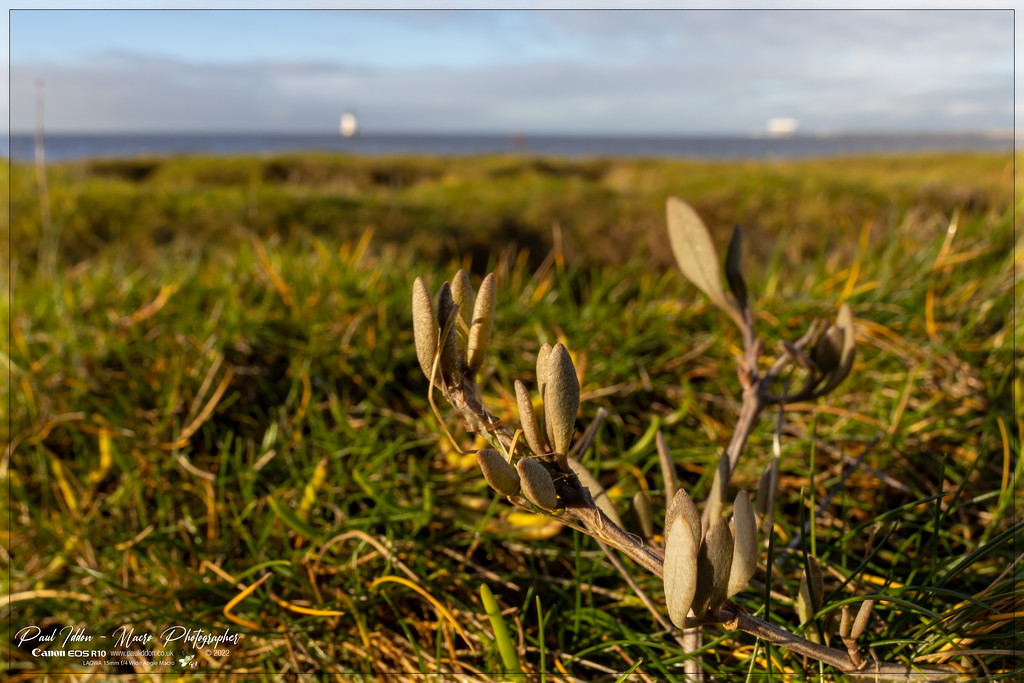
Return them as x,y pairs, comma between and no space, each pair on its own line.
580,505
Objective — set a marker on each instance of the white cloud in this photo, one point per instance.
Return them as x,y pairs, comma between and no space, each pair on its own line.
626,72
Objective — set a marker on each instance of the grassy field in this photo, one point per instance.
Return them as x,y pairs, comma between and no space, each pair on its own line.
217,421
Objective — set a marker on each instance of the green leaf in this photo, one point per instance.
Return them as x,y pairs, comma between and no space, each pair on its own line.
506,648
734,267
695,251
288,516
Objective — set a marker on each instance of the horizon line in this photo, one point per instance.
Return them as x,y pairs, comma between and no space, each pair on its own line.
989,132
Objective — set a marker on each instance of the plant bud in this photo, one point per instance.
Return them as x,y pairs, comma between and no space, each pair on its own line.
462,293
528,420
716,497
597,491
542,368
536,484
424,326
714,560
680,568
828,349
861,622
844,623
561,400
450,369
480,327
844,321
682,504
502,477
744,549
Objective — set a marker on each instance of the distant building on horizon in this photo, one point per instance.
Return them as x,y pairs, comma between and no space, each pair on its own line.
349,125
781,127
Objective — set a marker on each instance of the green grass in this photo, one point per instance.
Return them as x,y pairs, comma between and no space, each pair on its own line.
219,329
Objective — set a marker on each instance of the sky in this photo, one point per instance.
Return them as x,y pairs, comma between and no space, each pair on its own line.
588,72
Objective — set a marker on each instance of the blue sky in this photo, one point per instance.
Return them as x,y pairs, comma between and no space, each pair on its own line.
581,71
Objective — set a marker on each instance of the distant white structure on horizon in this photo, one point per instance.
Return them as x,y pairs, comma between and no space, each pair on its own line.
349,124
781,127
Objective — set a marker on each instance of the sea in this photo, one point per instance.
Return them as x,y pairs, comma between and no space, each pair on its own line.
64,147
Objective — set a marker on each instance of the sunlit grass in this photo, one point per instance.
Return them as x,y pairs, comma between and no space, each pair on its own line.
220,386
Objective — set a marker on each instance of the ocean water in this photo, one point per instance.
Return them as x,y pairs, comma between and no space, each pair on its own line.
61,147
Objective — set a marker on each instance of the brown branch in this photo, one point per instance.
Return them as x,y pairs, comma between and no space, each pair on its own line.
884,671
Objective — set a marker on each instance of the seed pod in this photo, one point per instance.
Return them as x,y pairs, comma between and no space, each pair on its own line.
528,420
845,622
744,549
536,484
450,364
502,477
682,504
643,514
716,497
480,327
424,326
542,368
597,491
861,621
714,560
808,600
680,568
462,293
668,466
561,400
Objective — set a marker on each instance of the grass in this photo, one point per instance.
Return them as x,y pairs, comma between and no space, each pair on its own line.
219,388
